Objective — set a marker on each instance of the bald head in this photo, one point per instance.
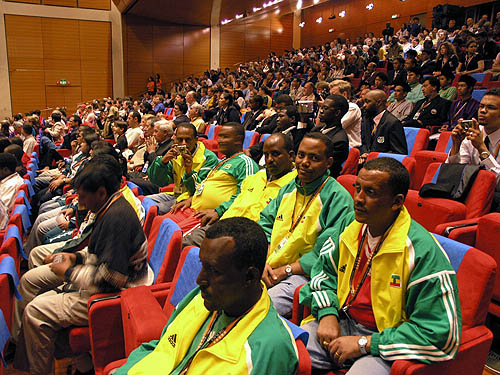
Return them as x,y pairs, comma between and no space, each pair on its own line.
376,95
375,101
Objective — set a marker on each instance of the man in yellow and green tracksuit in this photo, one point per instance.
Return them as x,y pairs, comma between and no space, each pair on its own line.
307,209
228,324
385,290
186,164
259,189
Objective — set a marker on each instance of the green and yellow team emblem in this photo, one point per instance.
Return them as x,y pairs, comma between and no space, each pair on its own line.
396,281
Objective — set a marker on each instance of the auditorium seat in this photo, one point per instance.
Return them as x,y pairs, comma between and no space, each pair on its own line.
478,94
416,139
424,158
407,161
350,166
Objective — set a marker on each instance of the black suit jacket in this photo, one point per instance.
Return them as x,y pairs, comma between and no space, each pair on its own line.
231,114
182,118
250,119
428,68
340,146
434,114
389,136
161,150
398,78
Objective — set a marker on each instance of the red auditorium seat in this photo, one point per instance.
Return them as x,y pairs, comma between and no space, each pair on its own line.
407,161
482,233
352,162
424,158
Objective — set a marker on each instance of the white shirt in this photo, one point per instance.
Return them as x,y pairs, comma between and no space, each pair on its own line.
28,144
134,136
351,122
8,190
468,154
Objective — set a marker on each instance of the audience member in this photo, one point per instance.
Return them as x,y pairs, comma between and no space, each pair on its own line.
401,107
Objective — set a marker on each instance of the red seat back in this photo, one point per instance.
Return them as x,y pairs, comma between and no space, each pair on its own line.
351,164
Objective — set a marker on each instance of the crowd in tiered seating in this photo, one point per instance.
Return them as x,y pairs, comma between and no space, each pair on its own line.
311,179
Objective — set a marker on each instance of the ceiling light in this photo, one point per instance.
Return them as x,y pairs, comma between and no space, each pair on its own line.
369,6
316,1
255,9
302,24
238,16
394,16
319,20
342,14
223,22
299,4
330,30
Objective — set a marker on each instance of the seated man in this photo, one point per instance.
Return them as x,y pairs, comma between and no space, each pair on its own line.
213,196
401,107
186,164
480,144
430,111
258,189
465,107
405,307
10,181
415,94
113,260
331,112
381,131
230,300
306,209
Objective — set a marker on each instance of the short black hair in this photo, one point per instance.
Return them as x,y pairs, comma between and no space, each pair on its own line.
284,98
323,138
433,81
493,92
287,140
292,112
7,160
78,119
121,124
15,150
136,115
415,70
188,125
258,99
101,170
90,138
4,142
250,241
182,106
56,116
28,128
238,129
16,141
382,76
340,102
406,87
399,178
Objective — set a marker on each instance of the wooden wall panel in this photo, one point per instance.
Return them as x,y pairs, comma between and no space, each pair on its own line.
95,4
254,38
64,3
359,20
173,51
25,1
42,51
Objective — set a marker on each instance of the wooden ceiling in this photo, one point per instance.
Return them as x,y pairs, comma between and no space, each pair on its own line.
198,12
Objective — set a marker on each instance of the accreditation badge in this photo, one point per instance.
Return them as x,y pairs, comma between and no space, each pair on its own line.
199,189
282,243
417,115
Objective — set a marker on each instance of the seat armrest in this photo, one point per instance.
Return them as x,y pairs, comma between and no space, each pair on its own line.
142,316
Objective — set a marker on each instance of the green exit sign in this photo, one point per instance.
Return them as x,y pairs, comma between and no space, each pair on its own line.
63,82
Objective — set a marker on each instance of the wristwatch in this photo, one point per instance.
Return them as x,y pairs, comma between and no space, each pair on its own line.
362,344
484,155
288,270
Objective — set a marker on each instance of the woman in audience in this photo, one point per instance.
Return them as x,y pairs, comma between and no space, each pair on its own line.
446,59
471,62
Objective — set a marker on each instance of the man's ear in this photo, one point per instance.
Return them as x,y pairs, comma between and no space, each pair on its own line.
399,200
291,155
253,275
329,161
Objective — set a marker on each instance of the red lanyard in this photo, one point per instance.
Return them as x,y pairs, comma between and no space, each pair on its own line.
353,293
297,221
